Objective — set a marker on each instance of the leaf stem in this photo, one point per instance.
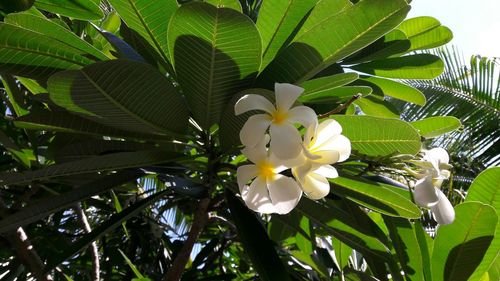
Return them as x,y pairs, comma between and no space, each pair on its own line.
341,107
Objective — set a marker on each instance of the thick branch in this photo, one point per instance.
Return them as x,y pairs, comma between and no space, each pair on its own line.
25,250
93,250
182,258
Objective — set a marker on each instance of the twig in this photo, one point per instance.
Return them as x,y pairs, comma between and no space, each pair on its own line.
93,250
341,107
180,261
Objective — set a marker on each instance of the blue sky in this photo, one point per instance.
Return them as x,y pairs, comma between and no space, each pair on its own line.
475,23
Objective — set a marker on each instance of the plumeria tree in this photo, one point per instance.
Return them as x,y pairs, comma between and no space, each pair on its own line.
229,140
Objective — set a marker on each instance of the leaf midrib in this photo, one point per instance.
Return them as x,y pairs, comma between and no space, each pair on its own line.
148,30
46,54
211,73
277,28
122,108
320,66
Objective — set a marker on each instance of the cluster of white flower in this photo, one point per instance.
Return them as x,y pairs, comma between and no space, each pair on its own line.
433,170
274,144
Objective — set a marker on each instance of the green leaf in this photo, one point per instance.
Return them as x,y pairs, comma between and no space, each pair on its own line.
149,18
375,105
54,31
108,162
123,94
276,22
255,241
105,227
30,54
10,6
231,4
315,49
326,83
425,33
15,95
78,9
435,126
485,189
215,53
376,196
393,89
323,10
62,121
137,273
418,66
343,227
459,247
335,94
375,136
50,205
342,253
404,237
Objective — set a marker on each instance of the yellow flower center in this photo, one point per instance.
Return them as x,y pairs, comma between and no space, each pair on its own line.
266,169
279,117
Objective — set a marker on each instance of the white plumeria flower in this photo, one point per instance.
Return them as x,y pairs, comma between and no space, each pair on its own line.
269,192
280,119
321,147
427,193
428,196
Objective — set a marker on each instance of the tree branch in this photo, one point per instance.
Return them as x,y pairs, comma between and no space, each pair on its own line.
93,250
24,249
341,107
180,261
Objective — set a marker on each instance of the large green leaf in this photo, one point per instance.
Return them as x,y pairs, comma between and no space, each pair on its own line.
216,52
406,242
376,196
255,241
376,105
47,206
109,162
459,247
379,136
485,189
54,31
345,228
78,9
425,33
435,126
61,121
418,66
232,4
393,89
10,6
30,54
276,22
149,18
122,94
323,10
348,31
335,95
105,227
326,83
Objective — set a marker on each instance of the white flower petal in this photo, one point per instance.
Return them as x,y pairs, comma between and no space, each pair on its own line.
339,143
286,95
327,156
256,197
437,154
327,130
283,164
254,129
443,211
257,153
303,115
286,142
327,171
309,135
285,193
253,102
425,194
300,172
315,186
244,174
